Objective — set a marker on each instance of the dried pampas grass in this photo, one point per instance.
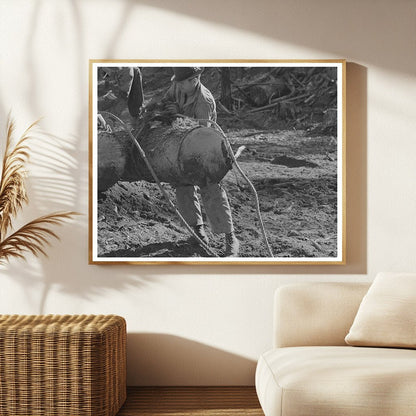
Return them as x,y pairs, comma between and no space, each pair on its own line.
34,236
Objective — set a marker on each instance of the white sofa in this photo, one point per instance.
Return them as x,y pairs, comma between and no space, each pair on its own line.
311,371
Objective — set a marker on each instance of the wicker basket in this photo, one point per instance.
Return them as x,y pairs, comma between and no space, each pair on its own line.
71,365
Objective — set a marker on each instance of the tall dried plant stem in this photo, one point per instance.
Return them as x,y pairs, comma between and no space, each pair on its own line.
12,183
34,236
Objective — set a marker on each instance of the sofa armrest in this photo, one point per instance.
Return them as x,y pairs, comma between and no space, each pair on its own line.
315,313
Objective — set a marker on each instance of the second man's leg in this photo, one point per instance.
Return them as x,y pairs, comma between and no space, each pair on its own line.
218,211
190,208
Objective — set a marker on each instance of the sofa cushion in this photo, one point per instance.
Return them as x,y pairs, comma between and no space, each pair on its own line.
315,314
342,381
387,314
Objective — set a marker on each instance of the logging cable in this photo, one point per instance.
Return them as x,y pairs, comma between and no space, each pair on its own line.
207,249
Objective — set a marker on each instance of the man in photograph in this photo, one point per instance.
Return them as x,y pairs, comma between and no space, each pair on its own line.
189,97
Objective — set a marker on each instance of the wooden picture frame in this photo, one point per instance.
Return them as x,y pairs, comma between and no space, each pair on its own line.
283,119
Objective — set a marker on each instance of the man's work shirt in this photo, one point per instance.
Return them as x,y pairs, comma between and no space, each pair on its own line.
200,104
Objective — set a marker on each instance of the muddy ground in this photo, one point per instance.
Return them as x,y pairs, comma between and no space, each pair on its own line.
295,175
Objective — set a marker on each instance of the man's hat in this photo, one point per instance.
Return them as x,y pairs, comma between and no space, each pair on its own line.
181,73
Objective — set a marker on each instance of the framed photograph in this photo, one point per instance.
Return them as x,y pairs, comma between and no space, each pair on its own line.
217,162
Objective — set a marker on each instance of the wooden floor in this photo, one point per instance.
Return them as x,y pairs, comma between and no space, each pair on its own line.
187,401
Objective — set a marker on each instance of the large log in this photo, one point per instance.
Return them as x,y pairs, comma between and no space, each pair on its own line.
189,156
114,151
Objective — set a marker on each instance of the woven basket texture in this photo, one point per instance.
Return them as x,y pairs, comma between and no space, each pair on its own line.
53,365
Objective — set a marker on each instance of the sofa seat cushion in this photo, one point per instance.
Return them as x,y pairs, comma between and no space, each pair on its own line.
342,381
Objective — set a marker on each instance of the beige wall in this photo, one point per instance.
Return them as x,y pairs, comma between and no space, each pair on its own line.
204,325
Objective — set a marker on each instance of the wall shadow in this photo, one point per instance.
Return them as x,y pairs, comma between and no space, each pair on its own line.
58,180
339,28
168,360
356,159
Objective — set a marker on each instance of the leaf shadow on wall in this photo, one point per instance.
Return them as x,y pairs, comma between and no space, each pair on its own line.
60,178
163,359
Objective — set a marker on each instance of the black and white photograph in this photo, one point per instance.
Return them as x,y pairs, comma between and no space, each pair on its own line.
227,162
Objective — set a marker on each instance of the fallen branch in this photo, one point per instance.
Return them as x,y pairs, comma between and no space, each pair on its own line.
278,101
276,84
